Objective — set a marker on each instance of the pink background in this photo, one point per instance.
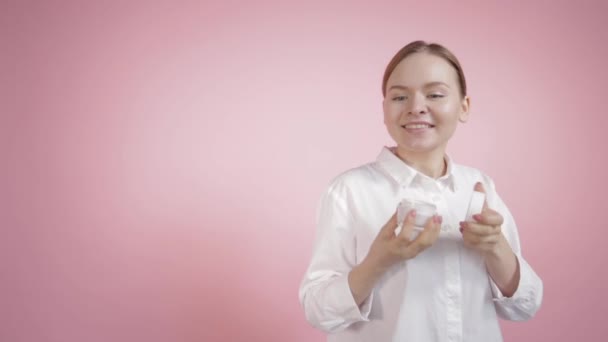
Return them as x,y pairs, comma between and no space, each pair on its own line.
162,161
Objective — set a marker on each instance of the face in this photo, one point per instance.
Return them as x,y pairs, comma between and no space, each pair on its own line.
423,104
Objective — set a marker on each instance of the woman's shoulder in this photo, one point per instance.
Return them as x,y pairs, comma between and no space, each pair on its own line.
355,177
471,174
467,170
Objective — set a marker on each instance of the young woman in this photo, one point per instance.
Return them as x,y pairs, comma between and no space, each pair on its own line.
448,281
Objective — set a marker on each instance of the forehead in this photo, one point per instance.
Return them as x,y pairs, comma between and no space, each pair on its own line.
421,68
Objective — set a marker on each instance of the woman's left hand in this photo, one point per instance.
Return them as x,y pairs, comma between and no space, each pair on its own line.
484,234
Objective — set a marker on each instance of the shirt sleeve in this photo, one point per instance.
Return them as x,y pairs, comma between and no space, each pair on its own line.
324,292
528,296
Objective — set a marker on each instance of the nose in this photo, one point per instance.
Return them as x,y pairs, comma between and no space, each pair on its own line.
417,105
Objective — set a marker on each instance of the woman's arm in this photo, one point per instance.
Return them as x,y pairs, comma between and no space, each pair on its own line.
517,289
503,267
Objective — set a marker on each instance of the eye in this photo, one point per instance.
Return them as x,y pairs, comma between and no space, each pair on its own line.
436,96
399,98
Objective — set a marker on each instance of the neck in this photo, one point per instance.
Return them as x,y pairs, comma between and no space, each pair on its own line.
432,164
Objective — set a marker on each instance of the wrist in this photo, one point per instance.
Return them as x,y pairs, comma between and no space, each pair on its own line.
372,267
501,250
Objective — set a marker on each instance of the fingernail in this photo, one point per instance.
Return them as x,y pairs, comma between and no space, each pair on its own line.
413,213
477,217
439,219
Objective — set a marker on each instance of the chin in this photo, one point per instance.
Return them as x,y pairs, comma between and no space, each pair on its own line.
417,148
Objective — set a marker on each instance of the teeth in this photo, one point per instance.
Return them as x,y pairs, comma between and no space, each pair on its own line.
417,126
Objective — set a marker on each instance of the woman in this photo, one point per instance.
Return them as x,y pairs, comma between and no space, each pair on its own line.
451,280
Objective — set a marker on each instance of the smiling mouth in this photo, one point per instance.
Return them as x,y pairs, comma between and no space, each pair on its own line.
417,126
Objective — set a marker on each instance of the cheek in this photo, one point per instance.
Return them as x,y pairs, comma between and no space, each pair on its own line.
445,107
446,112
390,120
391,113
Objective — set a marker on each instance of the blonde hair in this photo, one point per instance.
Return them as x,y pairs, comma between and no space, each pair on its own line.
431,48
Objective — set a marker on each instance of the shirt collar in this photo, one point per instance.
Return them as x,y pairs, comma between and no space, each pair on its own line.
404,174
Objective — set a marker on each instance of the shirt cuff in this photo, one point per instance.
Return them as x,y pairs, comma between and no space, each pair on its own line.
523,300
342,297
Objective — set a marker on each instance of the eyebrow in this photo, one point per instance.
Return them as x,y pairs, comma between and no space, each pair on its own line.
428,85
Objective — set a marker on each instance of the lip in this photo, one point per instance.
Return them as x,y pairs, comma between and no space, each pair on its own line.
430,125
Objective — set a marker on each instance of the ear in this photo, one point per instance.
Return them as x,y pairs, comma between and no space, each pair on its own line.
464,109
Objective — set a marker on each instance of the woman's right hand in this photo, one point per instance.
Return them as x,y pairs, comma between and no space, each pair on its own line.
388,249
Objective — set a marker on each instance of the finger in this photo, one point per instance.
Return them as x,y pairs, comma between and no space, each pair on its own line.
433,224
408,225
479,188
479,229
470,239
488,240
489,217
390,226
480,242
430,233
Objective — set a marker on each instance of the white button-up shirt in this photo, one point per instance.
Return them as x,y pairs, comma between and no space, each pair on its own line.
443,294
